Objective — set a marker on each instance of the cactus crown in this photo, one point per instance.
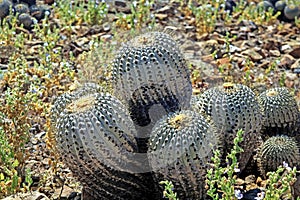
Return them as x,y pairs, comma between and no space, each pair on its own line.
228,86
81,104
179,121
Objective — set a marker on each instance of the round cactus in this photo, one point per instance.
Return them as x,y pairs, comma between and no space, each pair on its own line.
291,11
280,5
280,111
21,8
5,6
150,70
275,151
26,20
95,137
180,147
233,107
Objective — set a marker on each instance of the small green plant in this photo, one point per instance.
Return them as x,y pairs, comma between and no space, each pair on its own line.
279,182
258,14
223,178
206,15
14,134
139,16
169,190
91,12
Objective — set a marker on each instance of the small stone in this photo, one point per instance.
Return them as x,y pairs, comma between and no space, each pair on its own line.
286,61
285,48
106,27
295,52
274,53
240,181
291,76
28,196
296,64
161,16
63,193
164,9
250,179
106,37
253,55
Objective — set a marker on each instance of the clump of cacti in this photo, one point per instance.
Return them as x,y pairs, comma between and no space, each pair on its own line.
26,12
180,147
103,138
233,107
150,75
96,139
276,151
288,10
280,112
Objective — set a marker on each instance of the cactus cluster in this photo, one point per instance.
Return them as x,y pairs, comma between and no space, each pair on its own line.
26,12
150,128
280,132
180,148
288,10
233,107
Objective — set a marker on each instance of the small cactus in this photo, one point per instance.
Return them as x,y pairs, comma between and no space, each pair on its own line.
180,147
233,107
95,137
5,6
26,20
280,5
276,150
291,11
150,70
280,112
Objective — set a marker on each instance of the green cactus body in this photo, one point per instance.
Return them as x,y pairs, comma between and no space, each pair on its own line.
276,150
180,147
280,112
96,139
233,107
150,70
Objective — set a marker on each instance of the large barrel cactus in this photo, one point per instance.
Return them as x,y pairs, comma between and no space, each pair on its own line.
150,75
180,147
233,107
280,110
96,139
276,150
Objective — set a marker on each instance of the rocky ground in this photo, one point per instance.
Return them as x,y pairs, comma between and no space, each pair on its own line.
260,56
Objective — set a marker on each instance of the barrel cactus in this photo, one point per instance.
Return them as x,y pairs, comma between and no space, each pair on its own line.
150,75
275,151
280,112
233,107
291,11
180,147
5,6
96,139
